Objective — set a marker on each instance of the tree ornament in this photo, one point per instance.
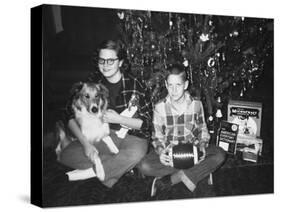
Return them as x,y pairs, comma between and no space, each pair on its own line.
185,63
121,15
235,33
211,126
219,100
218,113
223,56
211,62
170,23
241,93
204,37
206,73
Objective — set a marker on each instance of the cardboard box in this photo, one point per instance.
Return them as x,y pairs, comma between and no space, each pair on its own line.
227,136
247,115
247,143
250,156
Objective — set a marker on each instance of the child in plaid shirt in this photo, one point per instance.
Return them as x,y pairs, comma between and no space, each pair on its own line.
179,119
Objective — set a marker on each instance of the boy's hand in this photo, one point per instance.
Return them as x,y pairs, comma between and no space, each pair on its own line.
203,150
165,158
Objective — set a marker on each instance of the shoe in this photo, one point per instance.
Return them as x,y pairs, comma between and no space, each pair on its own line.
160,184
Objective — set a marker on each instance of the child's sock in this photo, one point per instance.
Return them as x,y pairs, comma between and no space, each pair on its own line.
79,174
188,183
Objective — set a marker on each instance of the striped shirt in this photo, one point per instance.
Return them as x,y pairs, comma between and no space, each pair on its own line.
172,127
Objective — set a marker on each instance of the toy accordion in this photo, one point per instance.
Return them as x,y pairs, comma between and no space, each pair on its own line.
184,156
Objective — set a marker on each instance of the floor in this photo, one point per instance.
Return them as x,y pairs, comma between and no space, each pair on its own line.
242,179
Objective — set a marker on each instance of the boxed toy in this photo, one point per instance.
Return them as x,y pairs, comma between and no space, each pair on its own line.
249,143
227,136
248,116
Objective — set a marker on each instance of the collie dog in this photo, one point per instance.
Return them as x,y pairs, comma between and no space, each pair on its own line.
89,102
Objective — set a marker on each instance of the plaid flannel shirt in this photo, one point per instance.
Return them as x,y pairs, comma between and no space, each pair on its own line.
171,127
130,85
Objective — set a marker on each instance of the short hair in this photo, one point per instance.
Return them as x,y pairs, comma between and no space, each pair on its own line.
113,45
176,69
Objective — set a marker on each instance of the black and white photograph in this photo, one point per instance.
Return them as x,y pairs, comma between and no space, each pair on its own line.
148,105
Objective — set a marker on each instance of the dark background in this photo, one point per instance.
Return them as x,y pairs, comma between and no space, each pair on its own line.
67,54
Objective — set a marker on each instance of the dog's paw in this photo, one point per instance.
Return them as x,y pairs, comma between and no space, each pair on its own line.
110,144
114,150
99,170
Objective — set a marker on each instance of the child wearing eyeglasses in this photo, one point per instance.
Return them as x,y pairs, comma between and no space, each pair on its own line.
122,86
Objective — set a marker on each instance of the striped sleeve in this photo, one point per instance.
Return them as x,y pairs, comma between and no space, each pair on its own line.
201,127
145,107
159,128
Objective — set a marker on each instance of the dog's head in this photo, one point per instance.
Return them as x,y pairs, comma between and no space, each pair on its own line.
90,97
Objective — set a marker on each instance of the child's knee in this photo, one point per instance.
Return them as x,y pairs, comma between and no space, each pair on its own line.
220,156
144,167
138,150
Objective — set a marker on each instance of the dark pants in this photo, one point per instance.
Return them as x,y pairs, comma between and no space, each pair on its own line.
131,150
151,166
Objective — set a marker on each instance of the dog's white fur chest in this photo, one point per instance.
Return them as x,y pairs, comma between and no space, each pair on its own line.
92,127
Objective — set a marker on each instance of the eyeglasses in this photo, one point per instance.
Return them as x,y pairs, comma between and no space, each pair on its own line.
109,61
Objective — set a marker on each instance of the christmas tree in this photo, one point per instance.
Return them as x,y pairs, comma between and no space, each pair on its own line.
221,54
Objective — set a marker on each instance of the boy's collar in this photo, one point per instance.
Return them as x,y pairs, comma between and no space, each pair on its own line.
187,97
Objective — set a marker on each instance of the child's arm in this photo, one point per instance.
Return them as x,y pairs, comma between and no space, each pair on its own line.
144,109
159,134
203,133
159,140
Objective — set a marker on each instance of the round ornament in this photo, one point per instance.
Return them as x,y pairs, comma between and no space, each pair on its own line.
185,63
211,62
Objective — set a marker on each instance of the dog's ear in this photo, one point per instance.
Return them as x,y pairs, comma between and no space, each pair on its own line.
76,104
76,88
75,94
103,90
104,96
